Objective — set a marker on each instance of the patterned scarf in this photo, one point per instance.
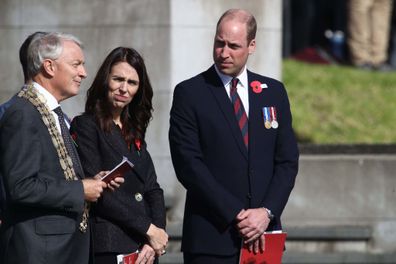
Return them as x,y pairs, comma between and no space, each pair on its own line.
33,96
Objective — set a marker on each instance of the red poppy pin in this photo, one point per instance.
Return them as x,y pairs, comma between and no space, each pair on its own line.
256,86
74,138
138,145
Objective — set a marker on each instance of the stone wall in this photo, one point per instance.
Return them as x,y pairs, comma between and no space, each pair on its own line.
344,189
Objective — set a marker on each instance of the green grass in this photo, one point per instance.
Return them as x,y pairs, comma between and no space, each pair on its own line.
341,105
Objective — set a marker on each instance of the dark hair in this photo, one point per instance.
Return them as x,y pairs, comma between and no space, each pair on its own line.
23,53
244,17
136,116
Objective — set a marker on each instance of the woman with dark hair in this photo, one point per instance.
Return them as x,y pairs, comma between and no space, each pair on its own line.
117,113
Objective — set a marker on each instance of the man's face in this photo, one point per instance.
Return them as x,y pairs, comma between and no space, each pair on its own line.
69,71
231,49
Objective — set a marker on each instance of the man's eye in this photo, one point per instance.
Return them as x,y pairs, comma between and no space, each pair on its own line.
219,43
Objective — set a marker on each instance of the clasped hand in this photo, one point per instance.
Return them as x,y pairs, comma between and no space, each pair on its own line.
251,224
158,239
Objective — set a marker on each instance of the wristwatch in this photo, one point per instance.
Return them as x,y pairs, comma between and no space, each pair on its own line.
270,215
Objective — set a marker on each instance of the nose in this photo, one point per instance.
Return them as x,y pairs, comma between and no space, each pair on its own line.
123,86
83,73
224,52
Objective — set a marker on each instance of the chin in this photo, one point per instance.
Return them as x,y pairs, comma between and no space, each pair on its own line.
227,71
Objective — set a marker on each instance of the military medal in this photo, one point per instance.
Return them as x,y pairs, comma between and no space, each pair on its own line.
274,123
267,117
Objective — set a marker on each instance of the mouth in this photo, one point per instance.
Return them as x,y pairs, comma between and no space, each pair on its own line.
120,98
225,64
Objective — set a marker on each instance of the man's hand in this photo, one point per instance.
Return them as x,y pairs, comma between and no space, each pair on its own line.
93,187
257,245
252,223
158,239
146,255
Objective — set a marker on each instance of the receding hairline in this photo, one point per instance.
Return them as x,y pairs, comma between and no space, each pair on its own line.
242,16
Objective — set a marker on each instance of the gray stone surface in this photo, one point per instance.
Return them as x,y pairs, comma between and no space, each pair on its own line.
347,190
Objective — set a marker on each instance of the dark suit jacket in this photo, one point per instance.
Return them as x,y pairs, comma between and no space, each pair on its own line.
3,108
120,219
211,161
43,210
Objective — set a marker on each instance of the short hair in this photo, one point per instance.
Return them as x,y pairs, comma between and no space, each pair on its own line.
137,114
47,46
244,17
23,53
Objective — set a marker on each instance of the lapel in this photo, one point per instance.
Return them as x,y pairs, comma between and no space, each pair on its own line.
118,145
257,100
216,87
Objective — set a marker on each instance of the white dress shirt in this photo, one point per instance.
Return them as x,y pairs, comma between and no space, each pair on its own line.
51,102
242,87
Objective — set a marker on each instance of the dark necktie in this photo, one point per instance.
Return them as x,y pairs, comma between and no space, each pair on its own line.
239,111
68,140
76,162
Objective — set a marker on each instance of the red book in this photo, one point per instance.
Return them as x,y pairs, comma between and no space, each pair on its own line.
119,170
274,246
128,259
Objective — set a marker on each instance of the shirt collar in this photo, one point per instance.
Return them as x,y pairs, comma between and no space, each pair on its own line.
51,101
243,80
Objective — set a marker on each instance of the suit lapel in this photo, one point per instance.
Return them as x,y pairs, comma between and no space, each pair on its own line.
117,143
215,85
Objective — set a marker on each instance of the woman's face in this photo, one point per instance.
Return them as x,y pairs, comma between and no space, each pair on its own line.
123,85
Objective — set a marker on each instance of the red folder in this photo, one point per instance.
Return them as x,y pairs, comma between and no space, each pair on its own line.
127,259
274,246
119,170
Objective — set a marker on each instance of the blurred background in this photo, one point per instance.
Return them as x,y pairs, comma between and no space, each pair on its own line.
342,209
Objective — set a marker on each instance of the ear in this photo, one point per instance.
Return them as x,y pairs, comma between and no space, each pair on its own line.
252,46
49,67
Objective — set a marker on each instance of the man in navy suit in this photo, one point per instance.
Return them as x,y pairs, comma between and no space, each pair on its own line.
233,149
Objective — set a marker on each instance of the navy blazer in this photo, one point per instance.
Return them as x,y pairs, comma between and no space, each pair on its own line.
43,209
211,161
120,218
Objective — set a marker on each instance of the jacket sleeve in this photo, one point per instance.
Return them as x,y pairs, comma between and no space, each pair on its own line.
28,180
153,194
189,161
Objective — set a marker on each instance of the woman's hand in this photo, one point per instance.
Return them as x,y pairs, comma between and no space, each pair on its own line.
158,239
116,183
146,255
113,184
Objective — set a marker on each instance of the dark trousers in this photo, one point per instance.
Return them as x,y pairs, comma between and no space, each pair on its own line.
190,258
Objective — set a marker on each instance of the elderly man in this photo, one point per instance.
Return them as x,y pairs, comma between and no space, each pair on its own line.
45,216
